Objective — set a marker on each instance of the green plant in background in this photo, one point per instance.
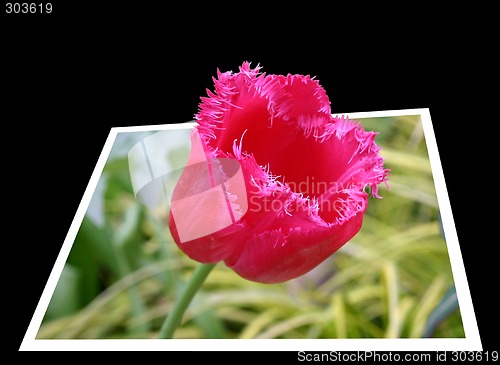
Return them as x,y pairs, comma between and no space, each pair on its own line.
393,279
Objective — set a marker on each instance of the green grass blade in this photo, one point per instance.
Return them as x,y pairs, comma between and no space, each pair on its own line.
448,305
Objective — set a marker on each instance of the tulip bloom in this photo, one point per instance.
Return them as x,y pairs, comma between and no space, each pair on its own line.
268,154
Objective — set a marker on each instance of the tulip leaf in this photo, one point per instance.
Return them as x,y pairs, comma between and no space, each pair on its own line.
447,305
428,302
398,159
211,325
66,299
95,241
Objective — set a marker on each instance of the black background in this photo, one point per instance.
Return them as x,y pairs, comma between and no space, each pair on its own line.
70,76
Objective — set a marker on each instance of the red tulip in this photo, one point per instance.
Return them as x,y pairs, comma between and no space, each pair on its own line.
274,184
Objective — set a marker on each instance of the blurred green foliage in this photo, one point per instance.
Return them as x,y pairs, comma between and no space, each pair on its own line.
391,280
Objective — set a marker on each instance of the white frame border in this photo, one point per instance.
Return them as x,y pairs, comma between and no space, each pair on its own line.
471,342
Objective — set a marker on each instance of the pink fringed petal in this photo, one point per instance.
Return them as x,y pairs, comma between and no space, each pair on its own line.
304,173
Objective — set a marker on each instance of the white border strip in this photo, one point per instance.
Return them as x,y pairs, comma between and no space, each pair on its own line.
418,344
471,342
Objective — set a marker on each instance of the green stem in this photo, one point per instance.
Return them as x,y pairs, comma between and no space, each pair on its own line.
174,317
